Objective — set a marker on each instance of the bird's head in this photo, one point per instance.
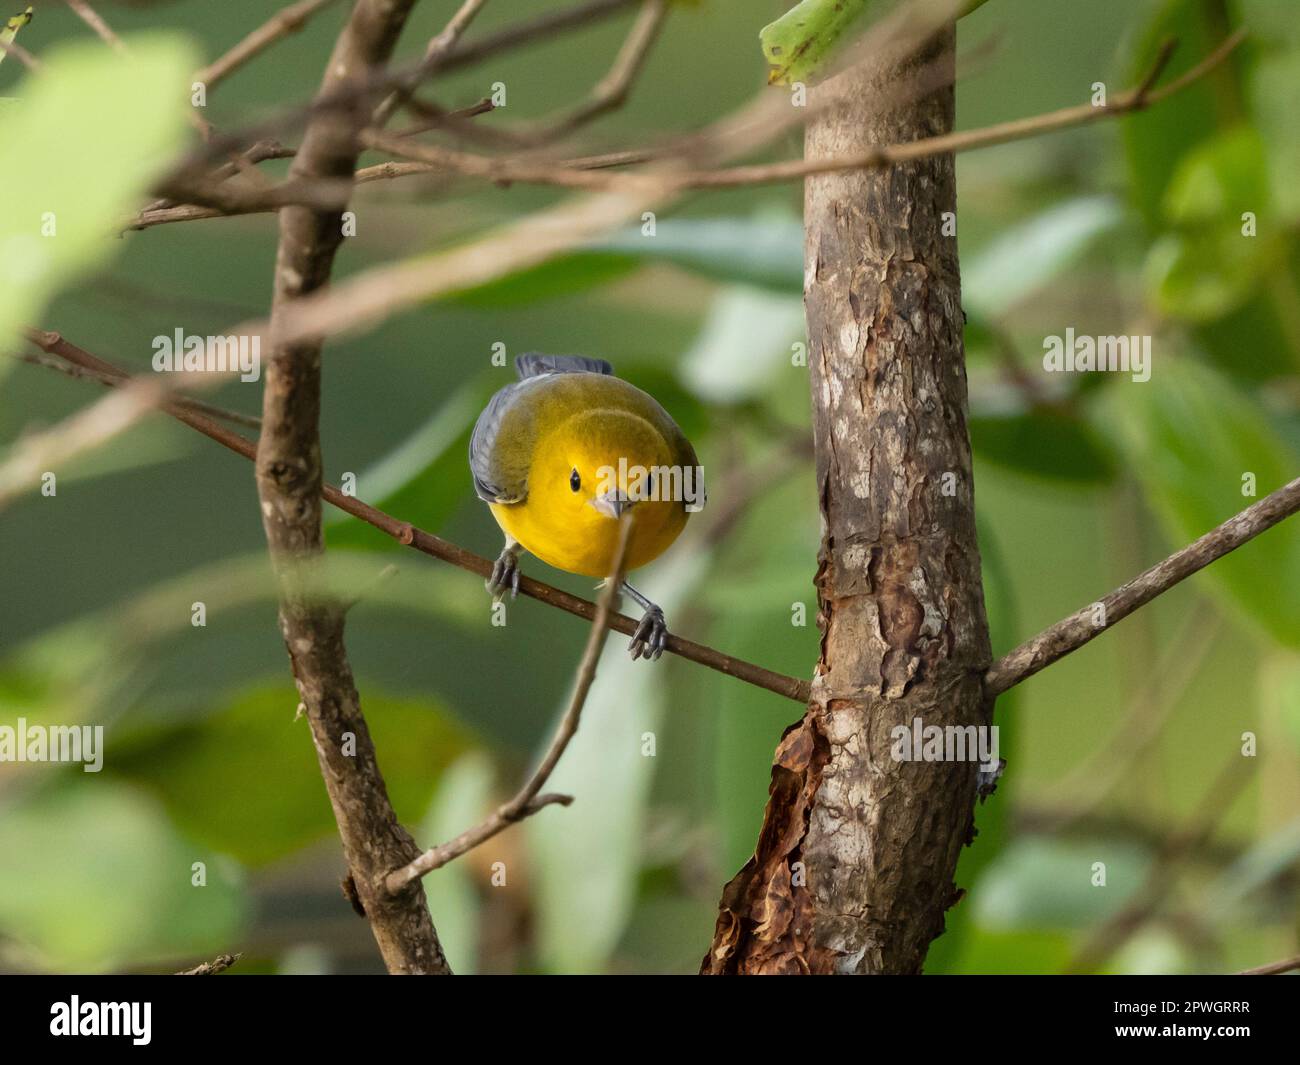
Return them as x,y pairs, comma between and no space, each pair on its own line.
605,463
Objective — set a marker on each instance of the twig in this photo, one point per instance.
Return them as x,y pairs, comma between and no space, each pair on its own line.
611,92
85,430
234,417
1149,709
1273,968
377,293
532,32
289,20
91,18
434,54
506,170
1085,624
527,800
20,53
219,964
446,551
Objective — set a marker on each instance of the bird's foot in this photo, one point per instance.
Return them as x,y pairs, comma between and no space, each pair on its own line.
505,575
651,635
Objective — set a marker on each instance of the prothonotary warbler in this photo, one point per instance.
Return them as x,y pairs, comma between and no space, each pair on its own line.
561,454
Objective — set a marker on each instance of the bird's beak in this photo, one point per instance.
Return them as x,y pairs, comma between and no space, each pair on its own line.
613,504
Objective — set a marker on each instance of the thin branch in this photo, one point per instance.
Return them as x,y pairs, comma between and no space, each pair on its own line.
91,18
38,453
20,53
289,20
444,550
505,170
528,800
69,369
375,294
611,92
434,54
1090,621
1273,968
219,964
532,32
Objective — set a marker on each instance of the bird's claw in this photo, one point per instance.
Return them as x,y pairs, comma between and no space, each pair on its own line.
505,576
651,636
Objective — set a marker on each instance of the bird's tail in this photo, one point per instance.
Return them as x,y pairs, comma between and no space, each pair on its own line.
535,364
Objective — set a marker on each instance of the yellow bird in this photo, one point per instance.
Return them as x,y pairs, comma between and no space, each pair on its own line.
561,454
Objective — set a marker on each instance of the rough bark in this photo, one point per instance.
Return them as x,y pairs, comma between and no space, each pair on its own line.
853,868
289,484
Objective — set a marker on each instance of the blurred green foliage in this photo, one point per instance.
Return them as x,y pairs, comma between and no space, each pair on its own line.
1130,227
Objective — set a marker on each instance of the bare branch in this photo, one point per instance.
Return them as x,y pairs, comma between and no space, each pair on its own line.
434,54
114,378
532,32
446,551
527,800
91,18
20,53
566,175
289,20
382,291
1090,621
612,90
219,964
1274,968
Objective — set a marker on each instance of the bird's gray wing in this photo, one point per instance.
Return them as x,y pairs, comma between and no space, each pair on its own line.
495,481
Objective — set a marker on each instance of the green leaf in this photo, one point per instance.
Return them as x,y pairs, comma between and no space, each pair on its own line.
1043,443
588,856
95,877
246,782
1157,138
1192,438
464,798
744,343
12,26
1212,264
564,275
797,43
765,250
1048,883
93,128
1275,86
1025,258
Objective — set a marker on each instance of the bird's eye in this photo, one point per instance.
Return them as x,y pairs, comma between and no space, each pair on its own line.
575,482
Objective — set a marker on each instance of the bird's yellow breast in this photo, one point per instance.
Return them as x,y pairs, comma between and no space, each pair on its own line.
584,542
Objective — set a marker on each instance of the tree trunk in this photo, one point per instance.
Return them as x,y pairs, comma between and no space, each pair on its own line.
853,868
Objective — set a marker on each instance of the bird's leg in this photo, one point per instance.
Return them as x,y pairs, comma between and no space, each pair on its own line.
652,634
505,572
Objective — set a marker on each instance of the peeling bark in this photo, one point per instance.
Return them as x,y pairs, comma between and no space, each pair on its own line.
853,868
